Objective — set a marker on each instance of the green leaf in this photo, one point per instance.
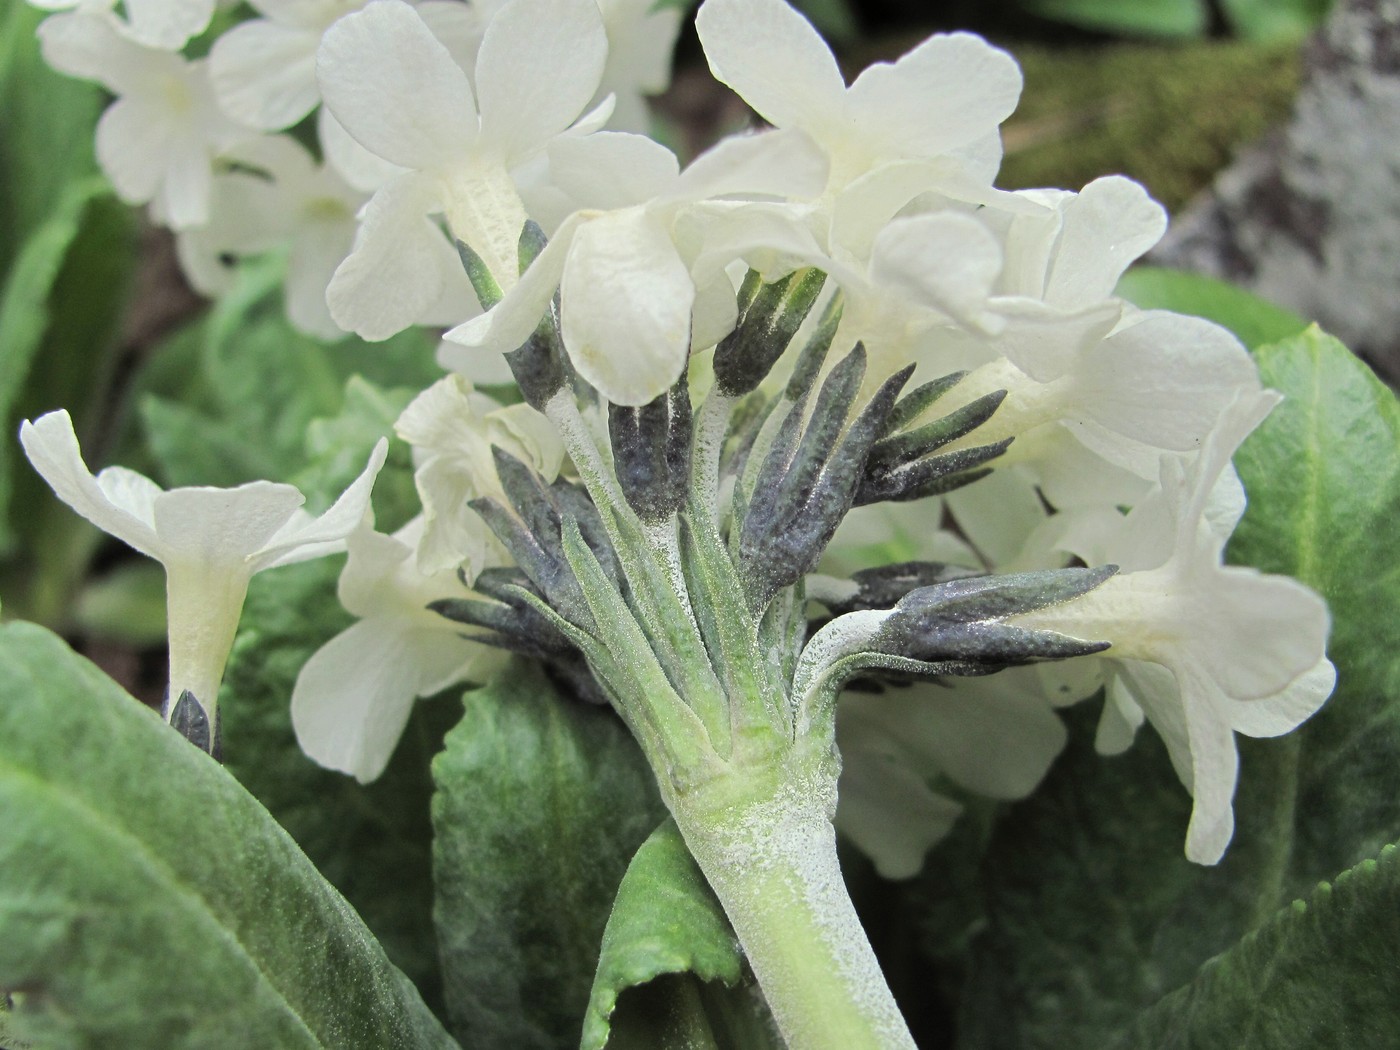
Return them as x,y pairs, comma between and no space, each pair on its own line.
373,842
1266,21
666,920
1093,912
260,385
1164,18
149,902
24,310
1254,320
1320,975
541,802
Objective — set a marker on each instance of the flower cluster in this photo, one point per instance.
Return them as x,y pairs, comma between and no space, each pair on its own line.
662,518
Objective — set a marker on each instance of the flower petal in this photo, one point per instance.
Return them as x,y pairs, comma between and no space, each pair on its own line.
301,540
951,90
395,88
353,696
777,63
395,272
264,74
52,448
1110,223
538,67
626,306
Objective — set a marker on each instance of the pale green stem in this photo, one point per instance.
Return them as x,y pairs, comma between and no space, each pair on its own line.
772,862
710,427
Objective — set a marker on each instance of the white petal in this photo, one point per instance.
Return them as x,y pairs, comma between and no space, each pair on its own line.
775,60
782,164
999,513
509,323
1119,722
1285,711
353,697
539,64
1108,225
129,491
264,74
52,448
946,262
887,809
395,88
626,305
995,736
352,162
300,541
319,248
222,527
134,147
183,201
92,47
167,24
1195,367
611,169
394,272
949,91
1254,634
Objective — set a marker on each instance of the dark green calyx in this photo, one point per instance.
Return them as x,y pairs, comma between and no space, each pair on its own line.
532,242
902,465
884,586
964,620
191,721
540,365
807,485
651,452
487,288
770,316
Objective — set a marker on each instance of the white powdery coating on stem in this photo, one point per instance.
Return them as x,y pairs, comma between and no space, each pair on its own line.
774,866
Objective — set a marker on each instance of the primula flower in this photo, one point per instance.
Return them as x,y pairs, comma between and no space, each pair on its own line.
452,430
995,737
211,541
288,200
641,269
398,92
157,142
162,24
353,697
1204,650
941,101
264,70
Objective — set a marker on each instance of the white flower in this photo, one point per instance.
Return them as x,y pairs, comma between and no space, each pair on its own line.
264,70
942,100
157,142
452,430
1205,650
161,24
288,201
353,696
642,269
397,90
993,736
211,541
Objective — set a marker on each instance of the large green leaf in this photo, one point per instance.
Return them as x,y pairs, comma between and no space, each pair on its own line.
541,802
1320,975
665,921
1093,912
373,842
148,902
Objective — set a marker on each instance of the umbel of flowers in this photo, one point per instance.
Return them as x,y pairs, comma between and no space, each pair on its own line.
738,379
